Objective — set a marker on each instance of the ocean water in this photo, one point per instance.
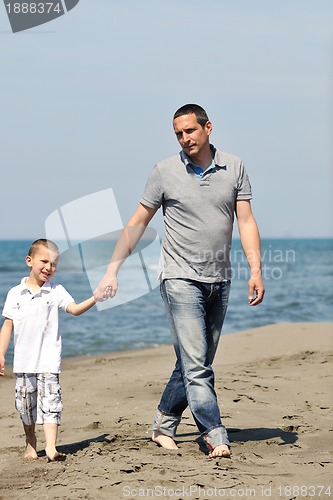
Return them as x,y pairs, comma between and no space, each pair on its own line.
298,276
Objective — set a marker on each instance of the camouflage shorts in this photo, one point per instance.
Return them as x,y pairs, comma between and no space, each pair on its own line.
38,398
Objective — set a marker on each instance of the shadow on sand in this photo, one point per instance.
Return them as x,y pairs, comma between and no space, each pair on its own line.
245,435
72,448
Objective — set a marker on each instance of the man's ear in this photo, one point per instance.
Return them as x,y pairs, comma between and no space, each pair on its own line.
208,127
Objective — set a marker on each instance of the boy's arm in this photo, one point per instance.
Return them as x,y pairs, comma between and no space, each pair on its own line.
82,307
250,238
126,243
5,335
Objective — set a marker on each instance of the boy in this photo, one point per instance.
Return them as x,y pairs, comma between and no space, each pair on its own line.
31,310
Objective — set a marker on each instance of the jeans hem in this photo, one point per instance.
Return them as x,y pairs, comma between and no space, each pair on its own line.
216,436
167,414
166,423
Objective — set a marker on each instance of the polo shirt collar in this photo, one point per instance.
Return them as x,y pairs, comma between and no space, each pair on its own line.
46,288
217,158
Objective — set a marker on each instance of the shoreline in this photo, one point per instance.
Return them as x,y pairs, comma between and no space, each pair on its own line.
294,327
274,386
126,352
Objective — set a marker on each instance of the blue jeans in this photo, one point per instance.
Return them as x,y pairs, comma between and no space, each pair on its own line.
195,312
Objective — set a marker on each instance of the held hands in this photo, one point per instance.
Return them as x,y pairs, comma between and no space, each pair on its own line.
256,290
106,289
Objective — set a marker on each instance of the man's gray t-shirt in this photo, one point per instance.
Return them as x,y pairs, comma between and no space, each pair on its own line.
198,214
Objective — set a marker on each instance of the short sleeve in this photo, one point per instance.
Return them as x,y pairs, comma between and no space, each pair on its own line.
9,307
244,191
63,297
153,194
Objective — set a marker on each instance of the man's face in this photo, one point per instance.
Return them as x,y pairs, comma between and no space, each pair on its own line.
192,137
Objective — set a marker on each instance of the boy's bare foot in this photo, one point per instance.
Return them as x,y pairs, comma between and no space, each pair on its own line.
165,441
30,452
57,457
53,455
222,450
31,443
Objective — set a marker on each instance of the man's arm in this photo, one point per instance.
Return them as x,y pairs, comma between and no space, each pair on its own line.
127,241
250,238
5,335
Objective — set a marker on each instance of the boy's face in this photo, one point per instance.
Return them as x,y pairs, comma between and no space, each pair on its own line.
43,264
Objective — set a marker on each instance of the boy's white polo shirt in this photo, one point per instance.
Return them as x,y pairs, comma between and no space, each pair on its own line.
37,336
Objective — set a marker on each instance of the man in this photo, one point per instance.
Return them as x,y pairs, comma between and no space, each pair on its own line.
200,190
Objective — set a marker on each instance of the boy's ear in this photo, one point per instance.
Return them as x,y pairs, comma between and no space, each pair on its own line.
28,260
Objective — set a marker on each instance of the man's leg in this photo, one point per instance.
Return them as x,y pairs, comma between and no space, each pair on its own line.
173,401
166,422
192,380
216,309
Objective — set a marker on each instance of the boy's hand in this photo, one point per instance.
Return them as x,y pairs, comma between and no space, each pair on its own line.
2,366
106,289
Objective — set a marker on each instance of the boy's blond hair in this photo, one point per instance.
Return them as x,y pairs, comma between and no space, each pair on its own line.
45,243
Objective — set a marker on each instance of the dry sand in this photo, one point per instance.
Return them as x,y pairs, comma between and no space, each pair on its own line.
275,391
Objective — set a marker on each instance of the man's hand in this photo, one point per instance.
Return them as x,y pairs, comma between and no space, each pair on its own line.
106,289
256,290
127,241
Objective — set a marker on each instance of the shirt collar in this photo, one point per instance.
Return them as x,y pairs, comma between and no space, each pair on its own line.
46,288
217,158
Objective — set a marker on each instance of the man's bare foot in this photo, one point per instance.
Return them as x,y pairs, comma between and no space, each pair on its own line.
165,441
222,450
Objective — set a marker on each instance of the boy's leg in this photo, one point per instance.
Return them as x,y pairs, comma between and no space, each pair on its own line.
26,405
51,433
31,442
49,407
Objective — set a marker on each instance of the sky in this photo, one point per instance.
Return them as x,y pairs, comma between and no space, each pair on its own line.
87,102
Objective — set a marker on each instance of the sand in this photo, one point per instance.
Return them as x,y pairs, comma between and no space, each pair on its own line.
275,390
